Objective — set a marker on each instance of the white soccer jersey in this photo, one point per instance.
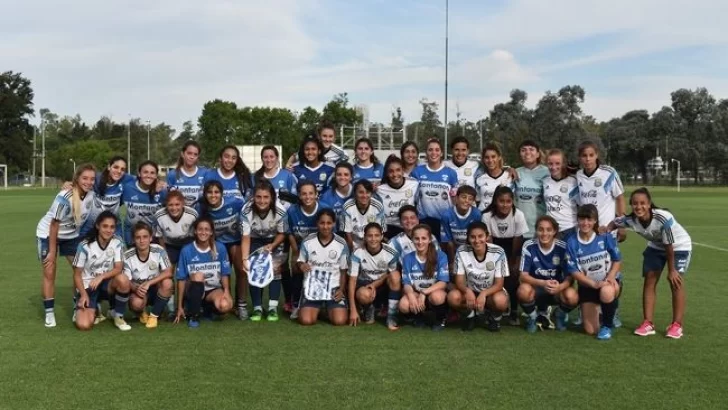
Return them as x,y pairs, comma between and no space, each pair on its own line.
355,221
62,210
175,232
95,260
267,227
368,268
601,188
403,245
662,230
139,271
466,172
480,275
327,261
560,197
486,186
512,226
395,198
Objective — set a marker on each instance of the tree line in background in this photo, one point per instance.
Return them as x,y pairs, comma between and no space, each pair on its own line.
692,129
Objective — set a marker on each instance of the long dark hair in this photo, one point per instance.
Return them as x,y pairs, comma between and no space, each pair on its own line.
242,173
477,225
105,179
153,187
204,203
180,159
500,191
392,159
367,141
644,191
211,242
431,260
260,173
319,145
367,185
93,234
406,145
267,187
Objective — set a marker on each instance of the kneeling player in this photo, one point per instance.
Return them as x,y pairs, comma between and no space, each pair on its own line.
323,259
425,276
543,279
373,273
97,274
205,265
480,269
148,268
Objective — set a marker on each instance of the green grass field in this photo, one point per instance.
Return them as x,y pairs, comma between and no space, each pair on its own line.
234,365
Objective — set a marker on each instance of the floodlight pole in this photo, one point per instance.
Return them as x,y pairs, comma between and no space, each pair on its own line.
128,143
43,153
678,173
447,21
74,164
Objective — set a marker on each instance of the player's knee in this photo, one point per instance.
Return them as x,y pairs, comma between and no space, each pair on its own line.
404,306
84,322
365,296
500,301
223,305
339,318
137,304
121,283
607,294
526,293
455,299
307,320
570,297
165,288
437,298
394,281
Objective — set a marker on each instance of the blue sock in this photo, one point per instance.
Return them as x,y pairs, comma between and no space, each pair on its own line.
608,311
530,309
195,292
49,305
256,295
274,293
121,300
159,305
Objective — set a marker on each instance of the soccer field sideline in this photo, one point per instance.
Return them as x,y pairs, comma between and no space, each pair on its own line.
230,364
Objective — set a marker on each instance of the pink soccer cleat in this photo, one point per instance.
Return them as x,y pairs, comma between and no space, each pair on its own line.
645,329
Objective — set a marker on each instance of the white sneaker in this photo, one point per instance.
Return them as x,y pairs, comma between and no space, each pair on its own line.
121,324
73,318
243,313
50,319
294,313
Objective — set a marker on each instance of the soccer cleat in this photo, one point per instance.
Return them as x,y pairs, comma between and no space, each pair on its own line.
674,331
257,315
392,323
531,326
99,317
513,319
492,324
121,324
562,320
469,324
294,313
73,318
143,317
605,333
578,321
453,317
544,323
617,321
272,315
242,313
50,319
419,322
151,322
369,315
193,323
439,327
645,329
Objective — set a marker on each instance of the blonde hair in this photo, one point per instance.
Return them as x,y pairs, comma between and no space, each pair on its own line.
76,192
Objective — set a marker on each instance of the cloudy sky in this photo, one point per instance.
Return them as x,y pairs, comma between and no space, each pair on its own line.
162,60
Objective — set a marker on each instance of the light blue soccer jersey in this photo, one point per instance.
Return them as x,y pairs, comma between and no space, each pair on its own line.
283,182
529,195
301,224
413,273
544,264
455,226
192,259
190,185
593,257
433,194
333,200
140,207
230,186
226,218
372,173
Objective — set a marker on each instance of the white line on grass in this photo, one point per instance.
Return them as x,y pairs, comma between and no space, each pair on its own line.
710,247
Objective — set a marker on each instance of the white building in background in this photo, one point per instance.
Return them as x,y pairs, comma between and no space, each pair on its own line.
363,110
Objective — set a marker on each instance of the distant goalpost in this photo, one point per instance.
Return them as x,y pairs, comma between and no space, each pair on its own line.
4,168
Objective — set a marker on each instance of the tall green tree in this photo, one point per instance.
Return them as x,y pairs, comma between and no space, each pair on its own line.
510,123
219,124
16,106
338,111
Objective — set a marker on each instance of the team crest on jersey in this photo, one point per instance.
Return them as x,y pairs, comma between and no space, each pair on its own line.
382,265
564,189
555,260
489,265
281,183
371,218
229,211
156,198
322,177
408,193
597,182
153,266
109,252
376,174
468,172
601,244
502,227
272,224
199,179
333,254
444,177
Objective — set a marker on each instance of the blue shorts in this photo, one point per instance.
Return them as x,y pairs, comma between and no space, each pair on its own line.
66,247
95,296
655,261
328,304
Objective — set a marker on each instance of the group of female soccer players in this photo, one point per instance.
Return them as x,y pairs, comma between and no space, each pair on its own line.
403,240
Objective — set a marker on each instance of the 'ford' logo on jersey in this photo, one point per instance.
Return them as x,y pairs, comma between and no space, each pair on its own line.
594,268
432,194
525,197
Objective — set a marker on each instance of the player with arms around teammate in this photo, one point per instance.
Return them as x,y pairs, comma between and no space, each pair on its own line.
374,278
491,174
359,211
456,220
594,261
333,154
97,274
529,185
479,272
425,276
108,188
323,259
263,225
367,164
149,271
313,166
402,242
395,192
142,198
668,244
59,229
203,275
465,168
544,281
233,174
560,193
188,177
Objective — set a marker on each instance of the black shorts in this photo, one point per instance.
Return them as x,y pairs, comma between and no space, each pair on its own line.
591,295
382,292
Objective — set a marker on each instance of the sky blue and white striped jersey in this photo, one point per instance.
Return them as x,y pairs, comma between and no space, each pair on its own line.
62,211
662,230
139,271
327,260
175,232
481,274
96,260
367,267
436,186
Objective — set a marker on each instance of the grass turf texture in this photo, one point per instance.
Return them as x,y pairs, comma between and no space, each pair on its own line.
230,364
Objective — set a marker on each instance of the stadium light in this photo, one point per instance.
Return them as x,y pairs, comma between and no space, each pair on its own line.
74,164
149,125
678,172
447,23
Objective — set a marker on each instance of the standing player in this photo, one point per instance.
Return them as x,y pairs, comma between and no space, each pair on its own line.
360,211
333,154
464,168
410,154
594,261
437,183
141,198
668,243
457,219
395,192
313,166
373,278
529,186
425,277
205,265
225,214
301,224
560,193
507,225
323,259
544,281
58,232
187,177
480,270
263,225
491,175
367,164
283,181
97,274
108,188
402,242
340,191
149,271
233,174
